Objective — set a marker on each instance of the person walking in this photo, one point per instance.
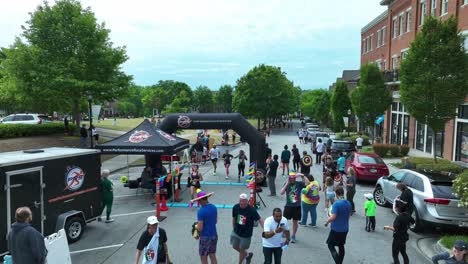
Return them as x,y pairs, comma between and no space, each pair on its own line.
214,156
296,158
359,142
300,134
271,175
351,187
319,149
369,211
341,162
305,163
207,217
329,191
339,219
241,164
285,158
292,209
25,243
152,244
83,135
459,254
400,232
194,181
310,198
329,170
243,218
107,188
227,162
275,228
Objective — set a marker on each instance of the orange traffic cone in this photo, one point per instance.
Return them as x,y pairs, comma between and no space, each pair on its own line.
163,205
252,198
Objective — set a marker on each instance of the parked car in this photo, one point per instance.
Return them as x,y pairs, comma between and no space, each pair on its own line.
30,119
434,201
369,167
341,146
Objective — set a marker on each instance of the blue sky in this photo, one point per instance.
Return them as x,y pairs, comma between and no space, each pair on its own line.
215,42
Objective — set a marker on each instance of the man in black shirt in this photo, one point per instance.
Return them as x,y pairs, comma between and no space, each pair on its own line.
306,162
272,168
152,243
400,232
406,197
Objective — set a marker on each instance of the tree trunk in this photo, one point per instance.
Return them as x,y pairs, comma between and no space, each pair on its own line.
76,112
433,144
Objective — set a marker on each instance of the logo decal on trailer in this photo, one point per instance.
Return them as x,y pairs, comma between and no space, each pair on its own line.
74,178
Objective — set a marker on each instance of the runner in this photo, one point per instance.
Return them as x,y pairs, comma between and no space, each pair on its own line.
194,181
296,158
241,164
227,162
214,156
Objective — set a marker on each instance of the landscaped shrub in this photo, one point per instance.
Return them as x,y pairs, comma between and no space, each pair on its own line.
394,150
422,160
460,188
404,150
22,130
441,167
352,138
381,149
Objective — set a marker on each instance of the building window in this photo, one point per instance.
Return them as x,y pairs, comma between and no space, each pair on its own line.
404,54
461,152
463,112
444,8
394,63
384,34
372,42
423,11
465,2
367,45
363,49
433,7
408,21
385,63
401,24
395,28
378,38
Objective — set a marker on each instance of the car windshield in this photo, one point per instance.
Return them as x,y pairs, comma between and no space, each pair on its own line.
343,145
8,118
370,160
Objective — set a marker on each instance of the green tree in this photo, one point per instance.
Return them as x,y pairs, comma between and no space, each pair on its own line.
66,56
224,98
316,104
434,75
265,92
126,108
162,94
180,104
371,98
339,105
203,99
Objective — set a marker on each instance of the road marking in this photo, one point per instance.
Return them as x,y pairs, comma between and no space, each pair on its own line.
97,248
134,213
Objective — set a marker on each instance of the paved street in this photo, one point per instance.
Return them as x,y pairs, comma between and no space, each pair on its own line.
119,239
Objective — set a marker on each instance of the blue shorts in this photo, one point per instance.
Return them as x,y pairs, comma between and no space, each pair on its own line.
330,195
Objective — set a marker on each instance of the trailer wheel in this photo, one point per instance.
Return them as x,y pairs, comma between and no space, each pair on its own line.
74,228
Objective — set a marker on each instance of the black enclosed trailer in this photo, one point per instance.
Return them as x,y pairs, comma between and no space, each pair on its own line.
60,185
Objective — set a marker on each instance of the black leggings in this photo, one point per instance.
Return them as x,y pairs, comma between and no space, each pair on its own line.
241,168
399,246
318,158
337,256
296,164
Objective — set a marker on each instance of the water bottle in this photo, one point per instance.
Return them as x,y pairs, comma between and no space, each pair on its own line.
284,246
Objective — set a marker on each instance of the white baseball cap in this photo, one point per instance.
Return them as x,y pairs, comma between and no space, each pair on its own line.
243,196
369,196
152,220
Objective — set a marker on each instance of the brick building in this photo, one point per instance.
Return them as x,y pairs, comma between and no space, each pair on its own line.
385,41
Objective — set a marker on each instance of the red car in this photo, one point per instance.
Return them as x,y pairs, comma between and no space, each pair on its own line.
368,167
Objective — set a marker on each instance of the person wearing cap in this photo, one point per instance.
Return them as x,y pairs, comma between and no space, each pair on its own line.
243,218
107,195
400,232
369,212
152,244
214,156
207,217
292,209
459,254
339,219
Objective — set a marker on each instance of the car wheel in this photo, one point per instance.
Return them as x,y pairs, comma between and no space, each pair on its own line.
418,226
74,228
379,197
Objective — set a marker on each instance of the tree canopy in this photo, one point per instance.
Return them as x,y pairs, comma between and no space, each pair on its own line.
162,94
316,104
434,75
65,57
203,99
340,104
224,98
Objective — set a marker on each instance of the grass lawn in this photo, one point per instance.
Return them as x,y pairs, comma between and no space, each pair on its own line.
447,241
367,149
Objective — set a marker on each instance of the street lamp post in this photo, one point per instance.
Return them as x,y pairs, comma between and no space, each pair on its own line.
349,117
90,99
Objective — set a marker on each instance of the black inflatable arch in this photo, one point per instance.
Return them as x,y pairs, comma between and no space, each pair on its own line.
234,121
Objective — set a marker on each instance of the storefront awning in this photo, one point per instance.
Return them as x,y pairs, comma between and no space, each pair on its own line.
380,119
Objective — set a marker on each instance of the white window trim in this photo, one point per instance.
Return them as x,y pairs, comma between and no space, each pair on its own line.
394,27
408,26
401,24
395,56
441,9
385,64
378,38
457,120
372,42
435,8
405,49
465,3
384,33
423,15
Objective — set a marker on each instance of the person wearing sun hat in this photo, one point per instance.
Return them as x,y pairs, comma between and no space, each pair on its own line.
207,218
152,244
459,254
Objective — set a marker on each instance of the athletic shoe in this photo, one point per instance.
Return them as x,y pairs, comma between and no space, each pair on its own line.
293,239
110,220
99,219
300,223
227,177
314,226
248,259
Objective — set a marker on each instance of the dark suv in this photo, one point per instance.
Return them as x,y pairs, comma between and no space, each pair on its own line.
344,146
